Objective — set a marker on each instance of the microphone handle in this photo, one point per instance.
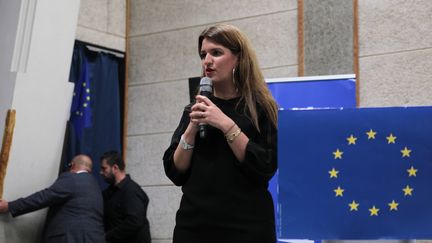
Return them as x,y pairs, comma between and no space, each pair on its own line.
203,130
203,126
206,93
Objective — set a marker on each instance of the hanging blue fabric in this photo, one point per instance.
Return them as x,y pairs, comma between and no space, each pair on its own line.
95,116
81,108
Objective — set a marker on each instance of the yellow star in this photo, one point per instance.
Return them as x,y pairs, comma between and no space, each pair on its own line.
351,139
391,139
412,171
393,205
371,134
84,84
408,191
333,173
87,90
338,154
405,152
339,191
353,206
374,211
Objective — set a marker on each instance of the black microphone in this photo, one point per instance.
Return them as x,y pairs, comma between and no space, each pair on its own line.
205,89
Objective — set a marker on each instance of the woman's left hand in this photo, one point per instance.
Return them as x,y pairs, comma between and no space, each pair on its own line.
205,111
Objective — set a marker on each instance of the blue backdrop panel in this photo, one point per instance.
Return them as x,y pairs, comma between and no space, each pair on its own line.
324,91
307,92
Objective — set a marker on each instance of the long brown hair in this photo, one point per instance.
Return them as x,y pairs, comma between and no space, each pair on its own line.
248,76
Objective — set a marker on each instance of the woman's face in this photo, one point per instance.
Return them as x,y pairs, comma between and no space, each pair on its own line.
218,61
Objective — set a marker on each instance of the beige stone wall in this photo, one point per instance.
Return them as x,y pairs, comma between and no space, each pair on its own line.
395,52
103,22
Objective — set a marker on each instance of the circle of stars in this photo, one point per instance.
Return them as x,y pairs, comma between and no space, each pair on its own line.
354,205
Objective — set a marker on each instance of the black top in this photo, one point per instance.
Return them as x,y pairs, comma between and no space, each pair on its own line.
126,213
225,200
75,212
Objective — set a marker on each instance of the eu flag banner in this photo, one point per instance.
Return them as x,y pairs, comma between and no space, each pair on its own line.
356,173
95,119
81,108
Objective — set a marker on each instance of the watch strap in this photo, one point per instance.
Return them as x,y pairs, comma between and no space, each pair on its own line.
184,144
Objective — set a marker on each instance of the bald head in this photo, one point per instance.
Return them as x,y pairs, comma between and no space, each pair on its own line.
81,162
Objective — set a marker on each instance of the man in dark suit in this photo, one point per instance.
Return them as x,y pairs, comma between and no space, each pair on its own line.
75,204
125,202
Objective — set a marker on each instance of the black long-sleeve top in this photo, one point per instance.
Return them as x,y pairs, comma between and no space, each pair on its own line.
125,213
225,200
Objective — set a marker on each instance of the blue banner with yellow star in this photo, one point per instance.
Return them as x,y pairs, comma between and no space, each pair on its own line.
355,173
95,123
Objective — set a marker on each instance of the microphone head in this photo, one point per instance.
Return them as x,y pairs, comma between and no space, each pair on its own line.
206,85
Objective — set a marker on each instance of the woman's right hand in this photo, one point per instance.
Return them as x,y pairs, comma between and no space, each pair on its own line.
182,157
191,131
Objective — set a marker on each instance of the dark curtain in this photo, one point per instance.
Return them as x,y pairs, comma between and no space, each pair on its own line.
95,123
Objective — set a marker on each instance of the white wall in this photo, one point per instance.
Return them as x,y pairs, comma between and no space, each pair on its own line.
41,97
8,28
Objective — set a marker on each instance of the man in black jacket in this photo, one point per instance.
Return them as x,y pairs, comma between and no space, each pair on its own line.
125,203
75,203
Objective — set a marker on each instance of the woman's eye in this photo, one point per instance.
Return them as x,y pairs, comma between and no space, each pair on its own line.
216,53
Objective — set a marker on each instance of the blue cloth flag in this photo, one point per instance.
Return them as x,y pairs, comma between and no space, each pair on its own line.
355,173
81,108
95,124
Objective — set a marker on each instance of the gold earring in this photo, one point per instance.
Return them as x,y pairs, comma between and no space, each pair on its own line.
233,80
233,77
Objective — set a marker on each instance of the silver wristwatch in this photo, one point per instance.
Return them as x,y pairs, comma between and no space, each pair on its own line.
185,145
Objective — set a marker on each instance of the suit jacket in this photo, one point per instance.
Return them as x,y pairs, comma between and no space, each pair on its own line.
75,212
